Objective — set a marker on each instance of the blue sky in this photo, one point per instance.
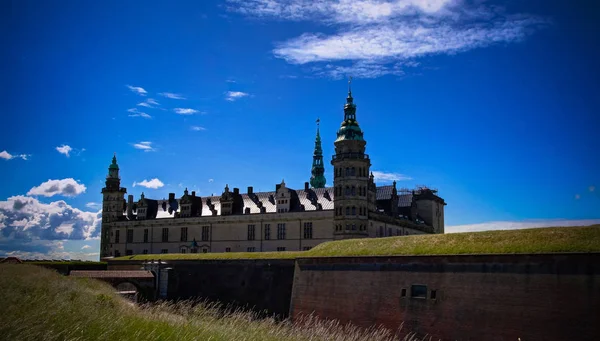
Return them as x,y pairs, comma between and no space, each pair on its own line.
494,103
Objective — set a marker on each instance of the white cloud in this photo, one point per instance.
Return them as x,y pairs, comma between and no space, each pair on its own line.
234,95
371,38
93,205
23,217
145,146
64,149
211,180
387,177
154,183
138,90
171,95
516,225
7,156
136,113
85,247
197,128
65,187
185,111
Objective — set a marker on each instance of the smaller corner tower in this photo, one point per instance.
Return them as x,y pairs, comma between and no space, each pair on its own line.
317,180
113,204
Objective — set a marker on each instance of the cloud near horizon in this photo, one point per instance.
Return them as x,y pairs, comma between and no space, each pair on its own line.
153,183
66,187
372,38
517,225
7,156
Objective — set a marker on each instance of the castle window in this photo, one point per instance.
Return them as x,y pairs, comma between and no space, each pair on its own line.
347,171
306,248
165,234
164,251
130,236
280,231
308,231
347,227
251,232
353,210
348,210
145,235
145,252
251,249
205,233
418,291
183,250
353,227
128,252
353,191
117,253
267,231
280,248
117,236
353,171
184,231
403,293
227,249
347,192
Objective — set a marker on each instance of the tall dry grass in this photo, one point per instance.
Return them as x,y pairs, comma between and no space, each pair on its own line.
39,304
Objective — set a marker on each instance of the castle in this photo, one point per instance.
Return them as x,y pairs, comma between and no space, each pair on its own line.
281,220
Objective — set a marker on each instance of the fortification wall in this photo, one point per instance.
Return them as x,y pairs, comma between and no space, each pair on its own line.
470,297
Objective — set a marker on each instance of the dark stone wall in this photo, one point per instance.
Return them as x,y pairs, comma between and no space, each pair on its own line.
260,285
476,297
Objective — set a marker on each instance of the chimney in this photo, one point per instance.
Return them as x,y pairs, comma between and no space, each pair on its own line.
250,190
130,198
193,193
306,186
171,197
236,191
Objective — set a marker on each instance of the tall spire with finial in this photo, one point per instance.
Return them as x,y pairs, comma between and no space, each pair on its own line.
317,180
349,129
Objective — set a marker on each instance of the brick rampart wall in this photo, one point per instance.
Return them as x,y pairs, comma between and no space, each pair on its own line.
477,297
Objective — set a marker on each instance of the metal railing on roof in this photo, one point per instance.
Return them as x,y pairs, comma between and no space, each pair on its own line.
342,156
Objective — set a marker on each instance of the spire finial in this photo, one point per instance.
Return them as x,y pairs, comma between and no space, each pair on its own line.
350,86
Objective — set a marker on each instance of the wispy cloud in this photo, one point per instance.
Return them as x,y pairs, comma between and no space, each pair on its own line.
7,156
197,128
153,183
211,180
138,90
388,177
235,95
93,205
185,111
171,95
592,188
85,247
515,225
65,187
149,103
64,149
372,38
145,146
134,112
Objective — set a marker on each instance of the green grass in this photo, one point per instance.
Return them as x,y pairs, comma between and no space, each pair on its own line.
66,262
536,240
39,304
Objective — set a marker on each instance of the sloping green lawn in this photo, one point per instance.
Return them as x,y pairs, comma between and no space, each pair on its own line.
536,240
39,304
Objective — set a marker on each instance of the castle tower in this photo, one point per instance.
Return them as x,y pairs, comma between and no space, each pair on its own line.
113,204
352,184
317,180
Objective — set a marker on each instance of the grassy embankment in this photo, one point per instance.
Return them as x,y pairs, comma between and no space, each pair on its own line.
39,304
536,240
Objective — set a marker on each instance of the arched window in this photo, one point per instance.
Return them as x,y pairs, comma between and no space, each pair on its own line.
353,210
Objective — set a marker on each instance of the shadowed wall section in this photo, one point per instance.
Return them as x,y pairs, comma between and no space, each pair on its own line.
471,297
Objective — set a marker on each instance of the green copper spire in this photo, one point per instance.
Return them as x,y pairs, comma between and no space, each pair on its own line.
317,180
349,130
114,165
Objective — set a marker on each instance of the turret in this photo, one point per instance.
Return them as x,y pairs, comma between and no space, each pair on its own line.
317,180
352,185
